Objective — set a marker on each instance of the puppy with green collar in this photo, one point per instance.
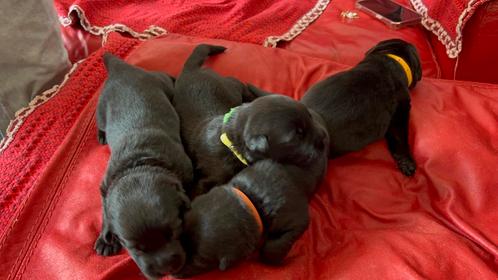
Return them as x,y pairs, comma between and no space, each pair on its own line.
227,125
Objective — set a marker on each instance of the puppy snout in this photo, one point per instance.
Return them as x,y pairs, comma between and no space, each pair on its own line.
174,263
162,263
152,273
170,263
320,140
319,144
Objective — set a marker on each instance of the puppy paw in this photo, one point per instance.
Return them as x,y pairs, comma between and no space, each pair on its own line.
406,165
105,248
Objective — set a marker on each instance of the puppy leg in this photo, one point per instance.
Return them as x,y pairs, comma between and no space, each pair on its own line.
397,139
279,243
107,243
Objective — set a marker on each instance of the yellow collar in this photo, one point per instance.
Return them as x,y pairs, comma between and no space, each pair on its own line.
224,139
404,65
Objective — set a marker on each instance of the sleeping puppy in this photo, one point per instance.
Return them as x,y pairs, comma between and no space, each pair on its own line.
222,136
142,194
264,207
370,101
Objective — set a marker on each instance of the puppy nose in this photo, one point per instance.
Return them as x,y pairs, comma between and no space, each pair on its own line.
173,262
320,143
176,261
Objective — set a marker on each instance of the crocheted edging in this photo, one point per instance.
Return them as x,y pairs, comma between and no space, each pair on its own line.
22,114
453,47
104,31
299,26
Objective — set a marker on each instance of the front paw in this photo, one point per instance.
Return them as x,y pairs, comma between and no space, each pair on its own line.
406,165
105,248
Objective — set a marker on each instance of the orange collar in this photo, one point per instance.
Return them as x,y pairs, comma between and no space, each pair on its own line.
251,207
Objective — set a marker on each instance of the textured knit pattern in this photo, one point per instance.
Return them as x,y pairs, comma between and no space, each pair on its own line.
243,21
44,129
446,19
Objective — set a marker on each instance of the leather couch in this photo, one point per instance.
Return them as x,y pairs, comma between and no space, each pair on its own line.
367,220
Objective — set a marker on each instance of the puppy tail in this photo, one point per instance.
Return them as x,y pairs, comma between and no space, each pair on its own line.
257,91
200,54
110,61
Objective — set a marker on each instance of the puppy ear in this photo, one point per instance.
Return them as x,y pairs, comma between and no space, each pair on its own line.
386,46
258,144
416,67
114,65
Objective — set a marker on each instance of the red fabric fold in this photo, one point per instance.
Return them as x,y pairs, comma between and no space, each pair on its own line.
451,13
43,131
243,21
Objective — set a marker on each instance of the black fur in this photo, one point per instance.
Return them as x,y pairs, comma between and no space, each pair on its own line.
369,102
142,193
270,127
220,230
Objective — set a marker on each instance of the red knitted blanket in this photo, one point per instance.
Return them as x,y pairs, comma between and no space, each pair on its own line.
446,19
243,20
31,149
367,220
41,130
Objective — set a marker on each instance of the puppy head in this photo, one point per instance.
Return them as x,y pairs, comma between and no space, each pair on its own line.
403,49
145,211
276,127
220,230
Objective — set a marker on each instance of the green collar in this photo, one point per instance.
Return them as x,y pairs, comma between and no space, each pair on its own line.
227,142
228,115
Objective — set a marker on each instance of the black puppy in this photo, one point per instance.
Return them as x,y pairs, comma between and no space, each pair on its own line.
266,203
223,137
142,194
370,101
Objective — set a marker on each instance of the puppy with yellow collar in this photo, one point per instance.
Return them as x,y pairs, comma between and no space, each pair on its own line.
370,101
227,125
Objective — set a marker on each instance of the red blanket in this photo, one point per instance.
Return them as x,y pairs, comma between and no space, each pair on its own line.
42,132
368,221
446,19
243,20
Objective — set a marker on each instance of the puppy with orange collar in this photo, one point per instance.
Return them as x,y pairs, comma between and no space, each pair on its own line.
264,207
371,101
